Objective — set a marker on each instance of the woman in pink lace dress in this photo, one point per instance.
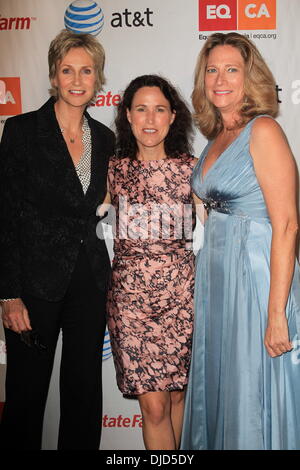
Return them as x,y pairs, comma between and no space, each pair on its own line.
150,303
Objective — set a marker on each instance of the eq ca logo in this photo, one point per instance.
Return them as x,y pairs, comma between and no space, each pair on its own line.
84,16
10,96
222,15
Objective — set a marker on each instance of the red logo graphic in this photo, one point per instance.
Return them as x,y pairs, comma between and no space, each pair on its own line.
217,15
222,15
107,99
10,96
121,422
14,23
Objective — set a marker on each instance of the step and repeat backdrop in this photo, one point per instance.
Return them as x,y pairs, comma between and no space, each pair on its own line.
139,37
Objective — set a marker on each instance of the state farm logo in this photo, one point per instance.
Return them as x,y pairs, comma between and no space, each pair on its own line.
223,15
10,96
15,23
106,99
120,421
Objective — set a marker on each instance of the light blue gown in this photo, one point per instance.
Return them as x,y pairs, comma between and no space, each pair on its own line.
238,397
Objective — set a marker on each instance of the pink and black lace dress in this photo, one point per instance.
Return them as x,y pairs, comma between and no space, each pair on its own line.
150,301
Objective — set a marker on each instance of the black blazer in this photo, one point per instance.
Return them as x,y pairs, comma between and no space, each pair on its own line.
44,215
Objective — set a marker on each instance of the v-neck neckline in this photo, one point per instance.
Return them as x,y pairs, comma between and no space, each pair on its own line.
203,177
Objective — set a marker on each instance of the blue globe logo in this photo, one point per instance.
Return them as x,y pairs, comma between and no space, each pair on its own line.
84,16
106,347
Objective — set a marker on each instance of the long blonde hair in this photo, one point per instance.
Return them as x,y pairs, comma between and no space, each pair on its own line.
260,95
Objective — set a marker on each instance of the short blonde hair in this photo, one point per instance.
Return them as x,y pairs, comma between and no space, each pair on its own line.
260,95
65,41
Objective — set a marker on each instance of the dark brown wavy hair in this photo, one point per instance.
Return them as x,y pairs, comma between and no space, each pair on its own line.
178,139
260,95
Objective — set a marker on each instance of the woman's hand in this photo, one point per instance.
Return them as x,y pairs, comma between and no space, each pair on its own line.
15,316
277,335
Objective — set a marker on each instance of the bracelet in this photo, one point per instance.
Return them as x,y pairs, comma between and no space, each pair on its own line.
7,300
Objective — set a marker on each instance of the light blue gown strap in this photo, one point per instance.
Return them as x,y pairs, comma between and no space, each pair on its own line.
249,125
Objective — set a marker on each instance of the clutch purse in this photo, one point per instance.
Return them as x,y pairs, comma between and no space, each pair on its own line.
32,339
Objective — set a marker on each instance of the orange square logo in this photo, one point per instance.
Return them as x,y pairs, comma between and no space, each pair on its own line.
10,96
260,14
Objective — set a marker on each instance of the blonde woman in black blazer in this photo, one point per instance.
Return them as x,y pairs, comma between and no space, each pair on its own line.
53,268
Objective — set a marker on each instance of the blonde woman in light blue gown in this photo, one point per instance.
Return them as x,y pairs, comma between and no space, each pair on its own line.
244,383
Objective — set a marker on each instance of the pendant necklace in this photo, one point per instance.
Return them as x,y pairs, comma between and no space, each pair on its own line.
71,139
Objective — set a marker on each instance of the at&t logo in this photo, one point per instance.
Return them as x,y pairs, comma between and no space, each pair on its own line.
222,15
84,16
106,354
131,19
